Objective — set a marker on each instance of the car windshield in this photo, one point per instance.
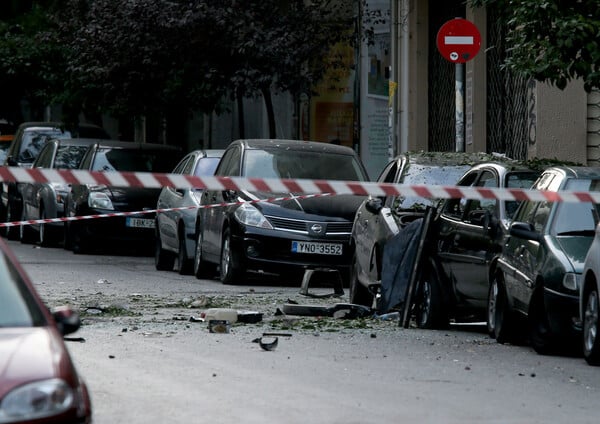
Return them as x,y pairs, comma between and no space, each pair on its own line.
68,157
430,174
575,218
206,166
279,163
134,160
34,140
17,306
522,180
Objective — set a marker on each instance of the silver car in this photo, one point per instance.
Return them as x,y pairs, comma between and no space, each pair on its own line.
46,200
176,229
589,301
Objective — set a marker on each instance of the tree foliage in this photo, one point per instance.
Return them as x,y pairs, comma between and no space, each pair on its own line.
552,40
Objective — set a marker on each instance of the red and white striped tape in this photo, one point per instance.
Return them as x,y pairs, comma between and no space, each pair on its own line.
158,180
147,211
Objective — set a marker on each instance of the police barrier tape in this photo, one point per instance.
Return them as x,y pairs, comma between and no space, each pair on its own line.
114,214
275,185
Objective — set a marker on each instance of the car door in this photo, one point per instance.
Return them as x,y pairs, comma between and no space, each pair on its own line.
30,191
374,224
171,197
212,218
473,242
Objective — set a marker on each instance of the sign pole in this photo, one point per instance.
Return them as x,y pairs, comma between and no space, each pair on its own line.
458,41
459,87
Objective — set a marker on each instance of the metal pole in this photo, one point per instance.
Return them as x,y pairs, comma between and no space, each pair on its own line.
460,107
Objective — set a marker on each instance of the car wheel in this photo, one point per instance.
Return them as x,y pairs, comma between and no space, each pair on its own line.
163,260
591,341
500,318
202,269
12,233
359,294
430,309
67,236
540,335
185,264
25,232
231,270
47,235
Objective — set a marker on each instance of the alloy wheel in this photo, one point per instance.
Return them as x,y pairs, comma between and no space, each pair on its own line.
590,323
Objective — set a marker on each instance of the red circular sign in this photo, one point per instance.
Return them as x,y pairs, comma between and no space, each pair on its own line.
458,40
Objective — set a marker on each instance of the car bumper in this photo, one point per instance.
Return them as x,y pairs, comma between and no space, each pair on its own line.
271,251
116,229
563,312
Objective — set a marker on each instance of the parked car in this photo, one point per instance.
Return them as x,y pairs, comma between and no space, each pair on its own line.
29,138
589,303
538,273
82,235
381,217
44,200
286,236
39,382
466,236
176,229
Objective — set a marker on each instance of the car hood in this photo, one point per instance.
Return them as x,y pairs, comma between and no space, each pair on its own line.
575,249
29,354
342,206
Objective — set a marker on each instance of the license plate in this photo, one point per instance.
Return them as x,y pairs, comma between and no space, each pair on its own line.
139,222
316,248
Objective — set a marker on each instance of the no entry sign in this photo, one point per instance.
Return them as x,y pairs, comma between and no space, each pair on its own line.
458,40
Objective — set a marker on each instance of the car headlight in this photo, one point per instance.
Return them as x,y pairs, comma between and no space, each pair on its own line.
99,200
36,400
249,215
571,281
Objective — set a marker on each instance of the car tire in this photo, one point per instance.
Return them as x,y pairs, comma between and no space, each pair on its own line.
12,233
430,308
591,341
79,244
500,317
163,260
201,269
67,237
541,337
185,264
359,294
230,269
26,234
47,234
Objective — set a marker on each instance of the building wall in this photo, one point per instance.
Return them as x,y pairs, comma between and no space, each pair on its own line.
559,123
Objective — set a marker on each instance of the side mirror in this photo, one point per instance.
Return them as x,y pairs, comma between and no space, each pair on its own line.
374,205
525,231
66,319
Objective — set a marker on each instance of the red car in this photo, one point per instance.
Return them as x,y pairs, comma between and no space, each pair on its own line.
38,381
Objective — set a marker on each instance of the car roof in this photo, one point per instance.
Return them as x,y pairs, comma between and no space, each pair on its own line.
577,171
508,166
131,145
318,146
75,141
452,158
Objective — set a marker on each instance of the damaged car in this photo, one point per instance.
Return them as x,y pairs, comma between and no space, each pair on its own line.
278,232
380,218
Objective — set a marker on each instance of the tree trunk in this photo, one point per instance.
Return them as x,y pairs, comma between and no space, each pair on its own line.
240,107
266,91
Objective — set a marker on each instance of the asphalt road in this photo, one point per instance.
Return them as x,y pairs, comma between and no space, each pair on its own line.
147,359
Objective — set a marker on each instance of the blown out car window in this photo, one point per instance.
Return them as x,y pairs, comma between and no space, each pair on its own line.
135,160
68,157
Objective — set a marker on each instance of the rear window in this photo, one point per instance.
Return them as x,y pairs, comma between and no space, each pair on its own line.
162,161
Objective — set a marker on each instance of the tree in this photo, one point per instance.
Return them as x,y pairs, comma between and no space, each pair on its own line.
552,40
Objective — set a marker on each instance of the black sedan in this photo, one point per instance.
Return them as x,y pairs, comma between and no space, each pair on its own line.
286,236
537,278
380,218
81,234
466,236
